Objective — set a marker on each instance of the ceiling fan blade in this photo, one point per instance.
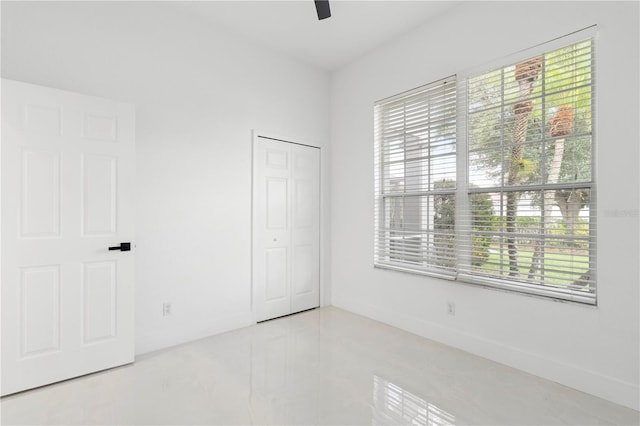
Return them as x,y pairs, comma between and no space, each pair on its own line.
323,9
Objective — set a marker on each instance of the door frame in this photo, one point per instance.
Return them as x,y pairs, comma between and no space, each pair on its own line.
255,135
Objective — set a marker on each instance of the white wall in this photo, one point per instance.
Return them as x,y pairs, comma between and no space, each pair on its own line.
198,94
591,349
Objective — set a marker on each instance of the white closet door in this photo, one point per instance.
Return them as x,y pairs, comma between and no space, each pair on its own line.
68,167
286,228
305,227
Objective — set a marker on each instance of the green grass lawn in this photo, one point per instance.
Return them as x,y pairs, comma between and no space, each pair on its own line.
562,267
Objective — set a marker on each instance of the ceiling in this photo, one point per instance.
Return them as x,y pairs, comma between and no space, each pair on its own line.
292,27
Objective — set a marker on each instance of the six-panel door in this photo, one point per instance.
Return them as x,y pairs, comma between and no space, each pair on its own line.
286,228
67,187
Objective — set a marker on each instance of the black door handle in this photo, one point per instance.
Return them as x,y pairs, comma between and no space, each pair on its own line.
122,247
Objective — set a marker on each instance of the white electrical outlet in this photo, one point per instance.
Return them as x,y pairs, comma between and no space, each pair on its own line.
166,309
451,308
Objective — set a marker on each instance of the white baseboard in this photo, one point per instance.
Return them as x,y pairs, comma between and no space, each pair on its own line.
602,386
179,333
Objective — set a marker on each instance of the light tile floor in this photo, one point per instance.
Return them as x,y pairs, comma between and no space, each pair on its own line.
325,366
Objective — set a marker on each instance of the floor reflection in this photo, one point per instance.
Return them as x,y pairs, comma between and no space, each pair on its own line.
322,367
395,405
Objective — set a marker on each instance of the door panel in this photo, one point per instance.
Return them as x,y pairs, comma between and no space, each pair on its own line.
271,254
276,193
67,195
99,303
42,118
40,194
276,158
286,228
102,128
276,280
305,233
304,205
99,177
39,309
303,269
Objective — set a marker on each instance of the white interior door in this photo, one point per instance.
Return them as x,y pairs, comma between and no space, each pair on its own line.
286,228
68,167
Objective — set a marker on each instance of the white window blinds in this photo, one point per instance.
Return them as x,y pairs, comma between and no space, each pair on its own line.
529,223
415,180
511,204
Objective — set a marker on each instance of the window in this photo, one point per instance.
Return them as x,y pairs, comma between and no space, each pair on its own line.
512,204
529,140
415,179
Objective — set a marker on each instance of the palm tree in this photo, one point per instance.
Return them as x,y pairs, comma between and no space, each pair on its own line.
561,126
526,73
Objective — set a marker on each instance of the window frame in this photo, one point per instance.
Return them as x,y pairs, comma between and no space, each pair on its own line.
463,196
464,191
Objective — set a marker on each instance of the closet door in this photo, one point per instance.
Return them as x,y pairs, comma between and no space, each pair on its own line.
286,227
